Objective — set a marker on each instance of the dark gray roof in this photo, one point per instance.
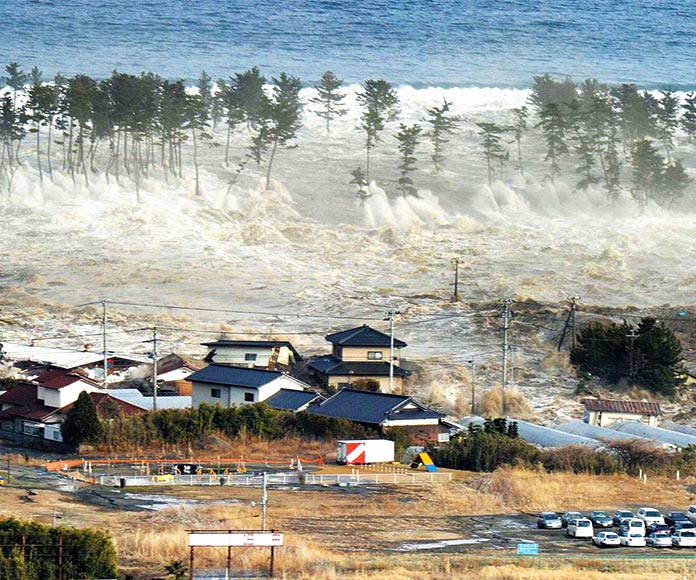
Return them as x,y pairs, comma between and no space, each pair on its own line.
371,408
234,376
254,343
363,336
289,400
331,366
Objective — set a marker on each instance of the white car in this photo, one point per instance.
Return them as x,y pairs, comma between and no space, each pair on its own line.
659,540
606,539
632,525
580,528
650,516
633,540
691,513
684,539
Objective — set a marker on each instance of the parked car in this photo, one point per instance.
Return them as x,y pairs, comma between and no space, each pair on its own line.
659,540
687,525
549,520
653,528
691,513
684,539
566,517
580,528
633,539
620,515
606,539
650,516
600,519
633,525
672,518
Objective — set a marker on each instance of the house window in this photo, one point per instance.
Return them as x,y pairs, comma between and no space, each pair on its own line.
216,393
248,397
443,437
374,355
250,357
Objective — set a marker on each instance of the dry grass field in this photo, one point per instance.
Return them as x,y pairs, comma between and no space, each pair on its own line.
353,532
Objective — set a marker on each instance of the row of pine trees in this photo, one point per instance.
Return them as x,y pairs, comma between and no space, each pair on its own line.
611,137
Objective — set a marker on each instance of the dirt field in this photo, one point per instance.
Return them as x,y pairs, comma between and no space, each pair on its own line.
468,526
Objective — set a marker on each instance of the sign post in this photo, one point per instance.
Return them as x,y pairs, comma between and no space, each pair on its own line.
527,549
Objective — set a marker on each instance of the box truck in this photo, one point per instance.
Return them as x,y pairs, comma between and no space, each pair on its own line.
362,451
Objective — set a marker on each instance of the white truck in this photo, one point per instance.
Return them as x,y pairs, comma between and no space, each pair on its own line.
363,451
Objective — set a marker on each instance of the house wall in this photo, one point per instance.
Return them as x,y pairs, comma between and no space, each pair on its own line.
338,381
424,433
606,418
359,353
234,396
61,397
235,355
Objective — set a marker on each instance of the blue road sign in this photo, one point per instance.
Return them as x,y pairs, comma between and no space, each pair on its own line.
527,549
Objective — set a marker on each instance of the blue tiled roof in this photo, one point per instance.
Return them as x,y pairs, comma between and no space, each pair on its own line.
371,408
289,400
234,376
331,366
363,336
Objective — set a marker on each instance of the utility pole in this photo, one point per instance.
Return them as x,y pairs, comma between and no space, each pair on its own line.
632,335
106,362
153,355
455,262
506,315
264,500
570,323
472,362
391,313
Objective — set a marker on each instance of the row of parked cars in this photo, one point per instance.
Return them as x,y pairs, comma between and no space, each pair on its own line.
647,527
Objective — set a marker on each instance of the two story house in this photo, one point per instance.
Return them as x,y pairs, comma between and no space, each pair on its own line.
360,356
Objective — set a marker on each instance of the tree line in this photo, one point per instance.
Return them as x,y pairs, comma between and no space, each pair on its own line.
174,427
31,551
130,125
496,443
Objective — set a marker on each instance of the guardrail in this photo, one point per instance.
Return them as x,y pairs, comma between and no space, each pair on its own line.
297,478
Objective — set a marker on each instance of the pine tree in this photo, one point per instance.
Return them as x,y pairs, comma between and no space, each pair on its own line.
493,151
553,126
519,127
688,119
667,120
660,361
358,179
197,121
79,99
82,424
675,180
329,98
41,98
547,91
380,104
408,142
284,117
16,79
647,165
442,123
250,97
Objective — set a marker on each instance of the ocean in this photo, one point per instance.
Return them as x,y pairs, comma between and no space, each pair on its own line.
454,43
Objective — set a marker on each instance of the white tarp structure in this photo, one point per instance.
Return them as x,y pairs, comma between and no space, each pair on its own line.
656,433
599,433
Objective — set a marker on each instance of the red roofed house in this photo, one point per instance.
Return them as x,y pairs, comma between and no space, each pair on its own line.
34,409
603,412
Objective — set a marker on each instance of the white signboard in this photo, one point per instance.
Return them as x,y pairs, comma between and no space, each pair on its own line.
250,539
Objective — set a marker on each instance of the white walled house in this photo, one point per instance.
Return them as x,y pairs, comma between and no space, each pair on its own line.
232,386
58,388
252,353
604,412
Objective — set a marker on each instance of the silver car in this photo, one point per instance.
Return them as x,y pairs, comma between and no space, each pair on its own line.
659,540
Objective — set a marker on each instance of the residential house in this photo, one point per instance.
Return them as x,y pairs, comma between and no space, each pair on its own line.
604,412
267,354
172,372
231,386
387,411
360,355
